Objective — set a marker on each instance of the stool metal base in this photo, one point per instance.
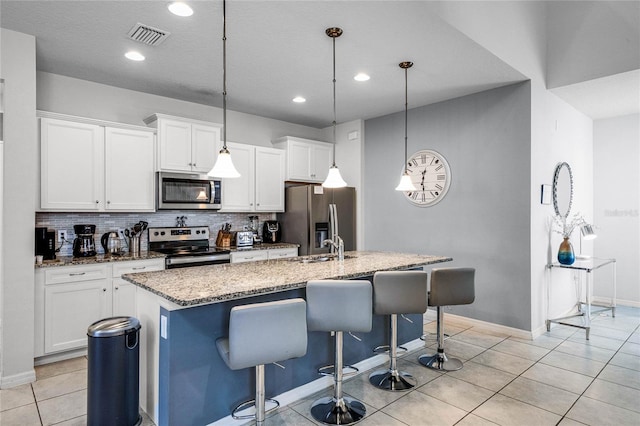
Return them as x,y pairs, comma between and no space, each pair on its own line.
440,362
342,411
392,380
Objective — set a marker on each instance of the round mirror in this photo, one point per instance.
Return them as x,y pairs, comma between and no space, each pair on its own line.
562,189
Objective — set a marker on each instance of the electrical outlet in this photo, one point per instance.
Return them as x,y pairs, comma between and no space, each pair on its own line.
62,235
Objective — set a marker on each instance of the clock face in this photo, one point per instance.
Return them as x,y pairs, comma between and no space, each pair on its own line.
431,175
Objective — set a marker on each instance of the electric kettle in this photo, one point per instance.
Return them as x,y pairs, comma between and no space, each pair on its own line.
111,243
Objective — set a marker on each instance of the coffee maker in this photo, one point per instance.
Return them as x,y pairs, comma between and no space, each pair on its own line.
84,245
45,243
271,231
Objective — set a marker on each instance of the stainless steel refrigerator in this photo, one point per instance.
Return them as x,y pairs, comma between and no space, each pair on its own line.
309,215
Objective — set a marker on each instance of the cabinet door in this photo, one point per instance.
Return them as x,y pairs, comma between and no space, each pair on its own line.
298,163
270,167
70,309
282,253
238,193
321,161
204,142
72,165
124,298
129,170
248,256
175,145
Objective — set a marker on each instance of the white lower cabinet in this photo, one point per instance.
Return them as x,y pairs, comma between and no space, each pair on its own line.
70,298
248,256
255,255
282,253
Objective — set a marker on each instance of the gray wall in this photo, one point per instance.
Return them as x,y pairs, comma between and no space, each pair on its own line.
616,181
484,220
21,170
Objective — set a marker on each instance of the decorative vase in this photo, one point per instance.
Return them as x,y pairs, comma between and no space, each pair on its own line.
565,252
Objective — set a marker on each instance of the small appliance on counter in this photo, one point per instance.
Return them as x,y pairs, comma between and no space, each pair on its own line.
83,244
45,243
254,227
244,239
112,243
271,232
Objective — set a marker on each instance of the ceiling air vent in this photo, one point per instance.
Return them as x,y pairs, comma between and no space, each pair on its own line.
147,35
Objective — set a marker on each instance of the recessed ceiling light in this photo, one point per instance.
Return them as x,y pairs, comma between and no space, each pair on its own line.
361,77
299,99
179,8
134,56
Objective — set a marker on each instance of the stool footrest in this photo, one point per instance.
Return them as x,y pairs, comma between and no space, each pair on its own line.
435,336
328,370
439,361
252,403
341,411
392,380
385,349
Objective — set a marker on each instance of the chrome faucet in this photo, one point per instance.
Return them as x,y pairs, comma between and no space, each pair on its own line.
338,245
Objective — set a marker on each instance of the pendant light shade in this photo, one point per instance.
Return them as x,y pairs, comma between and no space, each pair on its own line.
334,179
405,181
224,168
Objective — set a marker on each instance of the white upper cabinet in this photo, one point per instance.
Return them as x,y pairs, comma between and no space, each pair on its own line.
260,187
92,167
307,160
185,145
129,170
270,177
72,165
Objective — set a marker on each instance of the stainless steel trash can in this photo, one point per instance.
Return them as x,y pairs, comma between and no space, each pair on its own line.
113,372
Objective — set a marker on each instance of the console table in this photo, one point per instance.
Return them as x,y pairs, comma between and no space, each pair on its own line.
586,265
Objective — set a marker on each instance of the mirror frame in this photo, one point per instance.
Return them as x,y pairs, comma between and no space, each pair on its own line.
556,177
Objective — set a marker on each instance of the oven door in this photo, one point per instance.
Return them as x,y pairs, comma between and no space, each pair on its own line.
188,192
184,261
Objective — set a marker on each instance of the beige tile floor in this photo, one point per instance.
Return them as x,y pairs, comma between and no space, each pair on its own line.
557,379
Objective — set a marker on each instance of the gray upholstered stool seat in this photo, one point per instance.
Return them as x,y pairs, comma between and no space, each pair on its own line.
263,333
397,292
449,286
338,306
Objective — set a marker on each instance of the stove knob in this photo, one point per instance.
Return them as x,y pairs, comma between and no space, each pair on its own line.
156,233
162,233
198,231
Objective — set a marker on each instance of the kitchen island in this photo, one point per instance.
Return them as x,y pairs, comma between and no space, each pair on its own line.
183,311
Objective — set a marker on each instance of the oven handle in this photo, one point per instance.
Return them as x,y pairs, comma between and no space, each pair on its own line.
181,260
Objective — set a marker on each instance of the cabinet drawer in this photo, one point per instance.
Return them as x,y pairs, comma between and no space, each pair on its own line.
70,274
250,256
134,266
282,253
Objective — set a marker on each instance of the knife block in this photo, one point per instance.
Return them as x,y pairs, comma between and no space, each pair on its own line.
223,239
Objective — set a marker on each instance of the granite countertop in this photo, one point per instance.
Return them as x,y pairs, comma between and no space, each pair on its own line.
216,283
265,246
100,258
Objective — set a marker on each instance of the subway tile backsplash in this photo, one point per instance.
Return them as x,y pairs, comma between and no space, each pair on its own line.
110,221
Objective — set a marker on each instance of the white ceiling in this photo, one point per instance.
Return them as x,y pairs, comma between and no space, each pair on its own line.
275,50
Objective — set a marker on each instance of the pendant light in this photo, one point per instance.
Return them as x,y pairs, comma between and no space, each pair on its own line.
224,168
405,181
334,179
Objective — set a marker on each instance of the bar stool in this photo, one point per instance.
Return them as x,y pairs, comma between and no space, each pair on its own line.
259,334
449,286
337,306
397,292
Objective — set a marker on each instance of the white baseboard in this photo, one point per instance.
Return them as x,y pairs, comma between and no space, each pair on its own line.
496,328
301,392
619,302
18,379
48,359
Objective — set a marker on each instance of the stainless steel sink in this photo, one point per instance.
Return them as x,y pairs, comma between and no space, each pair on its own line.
319,258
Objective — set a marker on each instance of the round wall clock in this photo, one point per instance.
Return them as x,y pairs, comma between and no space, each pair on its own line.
431,175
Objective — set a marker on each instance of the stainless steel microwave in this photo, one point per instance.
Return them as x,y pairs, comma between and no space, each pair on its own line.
187,191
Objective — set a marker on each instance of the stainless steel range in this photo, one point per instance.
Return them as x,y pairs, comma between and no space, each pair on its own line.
186,246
